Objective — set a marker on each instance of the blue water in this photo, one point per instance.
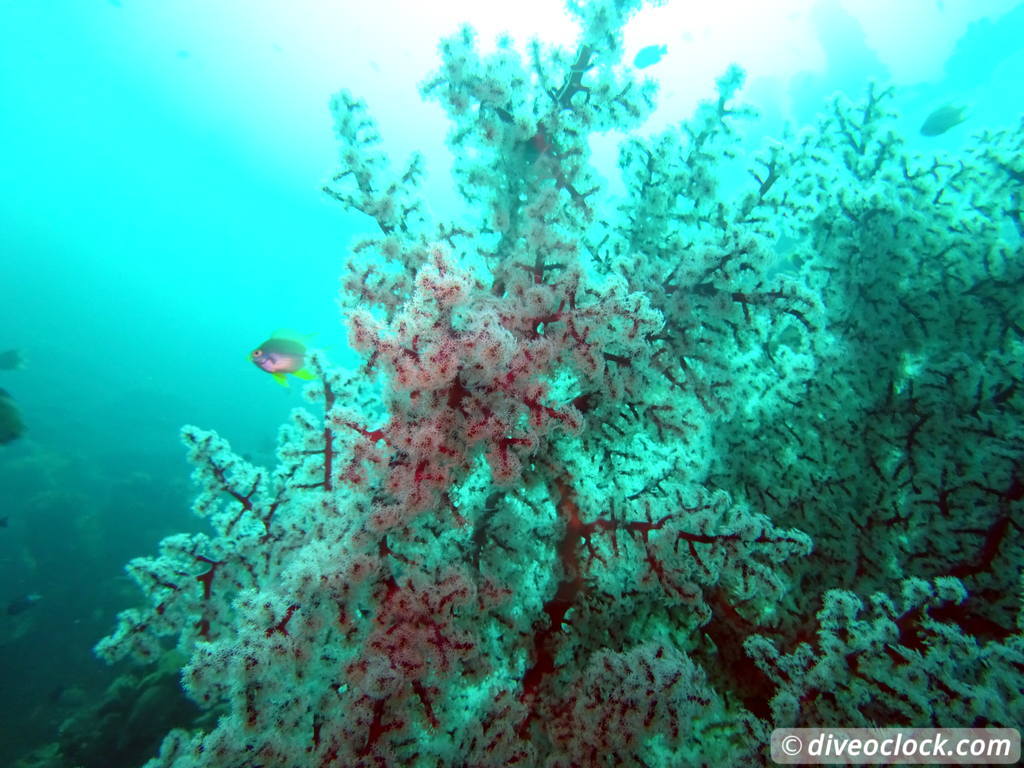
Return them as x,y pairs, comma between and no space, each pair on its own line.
161,215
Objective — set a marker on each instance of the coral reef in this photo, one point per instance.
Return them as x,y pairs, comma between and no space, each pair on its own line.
623,482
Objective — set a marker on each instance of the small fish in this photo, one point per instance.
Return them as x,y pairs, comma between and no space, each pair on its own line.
11,427
1014,174
649,56
5,521
10,360
57,693
281,354
23,603
942,119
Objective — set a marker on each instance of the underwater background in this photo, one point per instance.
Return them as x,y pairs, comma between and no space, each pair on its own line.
162,214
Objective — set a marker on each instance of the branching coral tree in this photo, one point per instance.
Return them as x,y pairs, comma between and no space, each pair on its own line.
563,513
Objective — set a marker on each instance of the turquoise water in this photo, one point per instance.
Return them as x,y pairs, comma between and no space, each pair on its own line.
163,214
